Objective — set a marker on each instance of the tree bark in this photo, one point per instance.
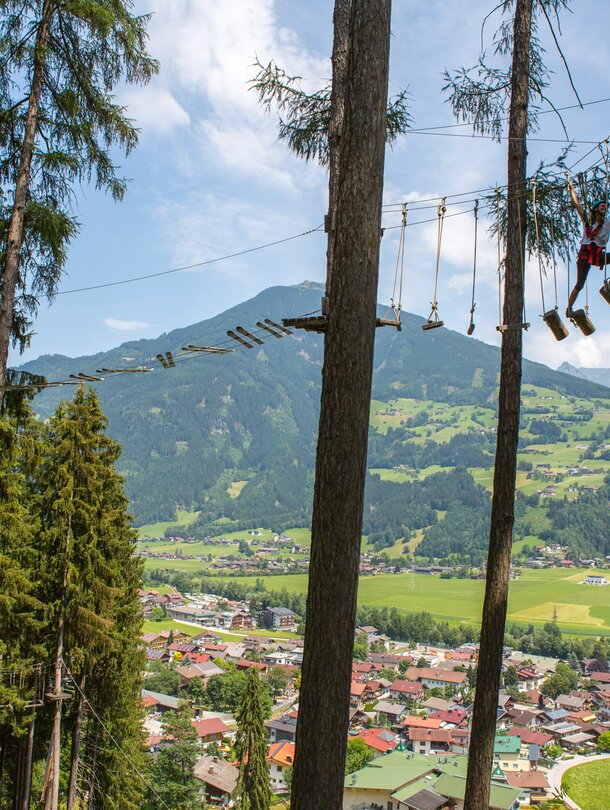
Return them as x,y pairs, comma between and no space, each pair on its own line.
18,775
10,271
53,765
344,417
52,799
76,741
27,775
480,760
341,17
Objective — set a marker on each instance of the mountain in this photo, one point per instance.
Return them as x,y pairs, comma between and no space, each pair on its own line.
233,436
596,375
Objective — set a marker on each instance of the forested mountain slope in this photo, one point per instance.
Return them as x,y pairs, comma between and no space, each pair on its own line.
234,435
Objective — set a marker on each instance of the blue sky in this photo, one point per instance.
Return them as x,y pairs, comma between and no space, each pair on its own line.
210,179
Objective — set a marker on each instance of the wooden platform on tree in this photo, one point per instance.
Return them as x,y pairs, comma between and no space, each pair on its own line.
319,323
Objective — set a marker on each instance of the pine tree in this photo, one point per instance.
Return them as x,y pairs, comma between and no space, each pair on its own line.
21,656
173,779
90,580
252,791
58,131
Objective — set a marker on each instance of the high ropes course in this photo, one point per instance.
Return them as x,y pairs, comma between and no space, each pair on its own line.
242,338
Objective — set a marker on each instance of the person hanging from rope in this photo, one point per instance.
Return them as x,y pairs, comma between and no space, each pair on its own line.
592,250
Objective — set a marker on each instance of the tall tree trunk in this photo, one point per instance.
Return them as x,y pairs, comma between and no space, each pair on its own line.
53,764
18,776
480,761
76,741
341,17
10,271
2,759
27,775
54,760
344,418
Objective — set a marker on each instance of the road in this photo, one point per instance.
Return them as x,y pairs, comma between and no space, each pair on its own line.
555,775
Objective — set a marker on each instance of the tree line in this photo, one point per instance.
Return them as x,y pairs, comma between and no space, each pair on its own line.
70,656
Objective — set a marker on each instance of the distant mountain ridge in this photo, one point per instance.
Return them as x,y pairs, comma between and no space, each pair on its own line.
247,421
596,375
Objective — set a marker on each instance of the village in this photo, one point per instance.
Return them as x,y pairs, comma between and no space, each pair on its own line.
410,709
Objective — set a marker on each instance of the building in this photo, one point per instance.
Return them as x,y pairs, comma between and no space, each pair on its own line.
406,781
278,618
280,756
510,755
219,780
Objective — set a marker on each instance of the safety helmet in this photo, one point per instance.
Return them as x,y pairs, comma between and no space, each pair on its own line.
596,203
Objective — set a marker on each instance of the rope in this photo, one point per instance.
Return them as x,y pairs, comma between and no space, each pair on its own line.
499,257
101,722
474,266
605,158
554,259
522,259
537,245
439,239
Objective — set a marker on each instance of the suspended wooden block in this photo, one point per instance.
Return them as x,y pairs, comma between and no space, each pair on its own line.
555,324
270,331
239,339
135,370
85,377
581,319
470,329
277,326
206,349
249,335
432,325
605,290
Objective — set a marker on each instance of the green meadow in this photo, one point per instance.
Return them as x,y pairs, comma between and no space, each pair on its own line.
587,784
533,598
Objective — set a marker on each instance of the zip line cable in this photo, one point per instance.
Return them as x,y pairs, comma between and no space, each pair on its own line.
190,266
102,724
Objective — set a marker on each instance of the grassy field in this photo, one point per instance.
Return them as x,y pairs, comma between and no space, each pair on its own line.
183,519
534,597
588,784
169,624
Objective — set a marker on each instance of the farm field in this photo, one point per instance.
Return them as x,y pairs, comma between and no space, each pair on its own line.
587,784
581,609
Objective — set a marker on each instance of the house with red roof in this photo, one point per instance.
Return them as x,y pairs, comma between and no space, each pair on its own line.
436,677
380,740
280,756
243,665
407,691
451,717
430,740
533,784
211,729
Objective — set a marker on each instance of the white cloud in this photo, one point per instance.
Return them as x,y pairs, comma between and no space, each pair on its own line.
154,108
213,64
126,326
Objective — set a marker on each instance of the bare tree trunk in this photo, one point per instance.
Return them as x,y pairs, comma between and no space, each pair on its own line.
10,271
480,761
53,764
76,741
341,17
17,778
2,760
27,775
344,418
54,760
